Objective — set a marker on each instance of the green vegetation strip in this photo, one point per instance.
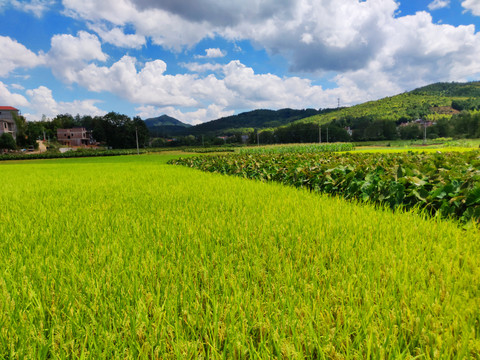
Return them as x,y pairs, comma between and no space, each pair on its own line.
72,154
297,149
443,184
126,257
205,150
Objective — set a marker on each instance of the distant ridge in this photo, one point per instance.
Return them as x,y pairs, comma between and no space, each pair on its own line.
165,125
451,89
435,100
432,100
256,119
164,120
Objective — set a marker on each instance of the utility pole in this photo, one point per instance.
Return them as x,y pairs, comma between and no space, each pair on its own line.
258,138
338,104
319,134
203,142
424,132
136,138
327,134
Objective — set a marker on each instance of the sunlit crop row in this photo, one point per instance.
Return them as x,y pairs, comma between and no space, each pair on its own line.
444,184
297,148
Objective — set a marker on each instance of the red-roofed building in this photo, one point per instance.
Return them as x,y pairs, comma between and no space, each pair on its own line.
7,120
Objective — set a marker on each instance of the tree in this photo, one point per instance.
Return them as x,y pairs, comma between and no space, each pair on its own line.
7,142
410,132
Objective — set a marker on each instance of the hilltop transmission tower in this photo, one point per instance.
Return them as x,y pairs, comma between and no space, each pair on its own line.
338,105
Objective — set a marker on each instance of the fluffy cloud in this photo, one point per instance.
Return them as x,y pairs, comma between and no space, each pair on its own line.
220,13
235,87
36,7
41,99
473,6
438,4
69,54
14,55
201,68
164,28
148,86
212,53
316,36
370,50
117,37
11,99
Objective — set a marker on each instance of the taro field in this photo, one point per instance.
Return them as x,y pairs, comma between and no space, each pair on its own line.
129,257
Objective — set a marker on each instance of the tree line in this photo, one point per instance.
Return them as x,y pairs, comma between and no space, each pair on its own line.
119,131
113,129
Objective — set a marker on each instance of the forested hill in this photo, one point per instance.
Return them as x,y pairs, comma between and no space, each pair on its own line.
471,89
164,120
166,125
258,119
432,102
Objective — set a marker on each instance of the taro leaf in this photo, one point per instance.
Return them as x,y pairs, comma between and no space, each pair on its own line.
457,200
400,172
420,194
415,180
440,193
473,197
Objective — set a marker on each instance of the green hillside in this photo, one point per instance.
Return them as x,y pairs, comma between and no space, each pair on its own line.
259,119
448,110
432,102
166,125
164,120
471,89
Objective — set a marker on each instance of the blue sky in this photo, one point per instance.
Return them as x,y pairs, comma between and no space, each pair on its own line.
198,60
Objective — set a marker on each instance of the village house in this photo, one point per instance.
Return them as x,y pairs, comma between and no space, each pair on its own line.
74,137
7,120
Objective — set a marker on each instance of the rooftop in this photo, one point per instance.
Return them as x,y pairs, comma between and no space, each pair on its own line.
8,108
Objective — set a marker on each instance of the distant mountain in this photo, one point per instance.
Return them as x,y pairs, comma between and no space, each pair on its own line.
165,125
434,101
257,119
164,120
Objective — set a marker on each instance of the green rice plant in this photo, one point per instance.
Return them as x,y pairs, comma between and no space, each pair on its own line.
297,148
129,258
443,184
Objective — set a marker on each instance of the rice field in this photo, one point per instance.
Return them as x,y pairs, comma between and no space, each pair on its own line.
130,258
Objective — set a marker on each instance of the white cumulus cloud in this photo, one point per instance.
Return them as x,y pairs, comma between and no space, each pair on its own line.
69,54
473,6
201,68
8,98
438,4
15,55
370,50
235,87
43,102
36,7
117,37
212,53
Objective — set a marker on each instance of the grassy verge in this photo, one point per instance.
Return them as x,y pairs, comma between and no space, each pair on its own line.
126,257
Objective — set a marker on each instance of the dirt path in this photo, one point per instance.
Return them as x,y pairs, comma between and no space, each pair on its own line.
41,146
